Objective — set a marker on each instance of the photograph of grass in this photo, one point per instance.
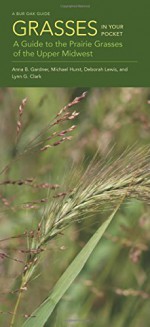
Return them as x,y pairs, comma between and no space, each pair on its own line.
74,199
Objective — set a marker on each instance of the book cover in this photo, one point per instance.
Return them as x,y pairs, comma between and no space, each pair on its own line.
75,164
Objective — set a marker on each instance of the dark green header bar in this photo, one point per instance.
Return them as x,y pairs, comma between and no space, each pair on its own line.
75,43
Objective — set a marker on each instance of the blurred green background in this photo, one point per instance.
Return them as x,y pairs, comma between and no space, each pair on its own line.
113,288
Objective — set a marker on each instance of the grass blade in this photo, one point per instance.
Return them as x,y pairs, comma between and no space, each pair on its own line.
43,312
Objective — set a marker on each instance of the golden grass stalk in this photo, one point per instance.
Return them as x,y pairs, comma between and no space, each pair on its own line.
100,187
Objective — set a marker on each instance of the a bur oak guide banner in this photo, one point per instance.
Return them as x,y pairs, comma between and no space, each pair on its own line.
75,43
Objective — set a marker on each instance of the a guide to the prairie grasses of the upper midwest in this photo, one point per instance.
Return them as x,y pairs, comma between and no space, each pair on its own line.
75,163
